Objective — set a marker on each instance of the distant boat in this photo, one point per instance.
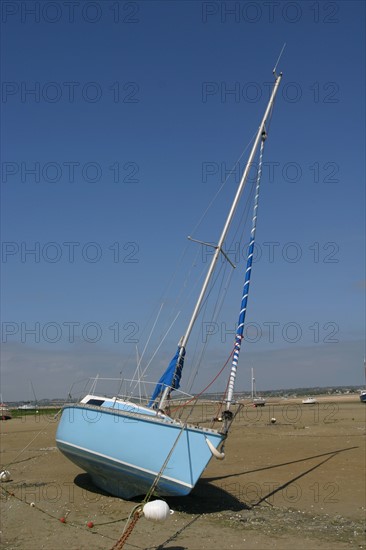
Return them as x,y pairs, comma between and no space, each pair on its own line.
129,445
309,401
256,399
27,407
363,392
5,413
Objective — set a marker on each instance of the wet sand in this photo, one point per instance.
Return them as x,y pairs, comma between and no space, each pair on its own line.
298,483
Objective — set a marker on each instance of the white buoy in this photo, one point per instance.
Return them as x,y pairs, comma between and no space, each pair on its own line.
157,510
4,475
273,421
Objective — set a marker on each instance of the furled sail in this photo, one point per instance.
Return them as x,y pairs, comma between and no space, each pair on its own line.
171,377
248,271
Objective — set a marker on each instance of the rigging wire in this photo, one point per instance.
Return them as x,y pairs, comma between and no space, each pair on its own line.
278,59
259,173
180,296
203,216
187,247
146,344
157,349
221,294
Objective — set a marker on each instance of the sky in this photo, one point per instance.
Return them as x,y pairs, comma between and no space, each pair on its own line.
120,124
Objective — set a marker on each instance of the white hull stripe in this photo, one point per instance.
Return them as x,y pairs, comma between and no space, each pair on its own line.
178,481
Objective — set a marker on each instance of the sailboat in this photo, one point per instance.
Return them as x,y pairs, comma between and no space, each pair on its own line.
256,399
128,445
28,406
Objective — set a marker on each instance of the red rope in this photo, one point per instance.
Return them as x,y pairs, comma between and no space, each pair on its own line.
210,384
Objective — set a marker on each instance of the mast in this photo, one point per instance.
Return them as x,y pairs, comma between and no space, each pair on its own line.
231,214
219,246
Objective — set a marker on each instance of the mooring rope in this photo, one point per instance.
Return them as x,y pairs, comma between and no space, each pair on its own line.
24,448
137,511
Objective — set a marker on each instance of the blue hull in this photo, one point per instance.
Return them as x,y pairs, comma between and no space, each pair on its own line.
124,452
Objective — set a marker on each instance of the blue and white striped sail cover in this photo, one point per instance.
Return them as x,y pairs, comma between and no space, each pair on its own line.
244,300
172,375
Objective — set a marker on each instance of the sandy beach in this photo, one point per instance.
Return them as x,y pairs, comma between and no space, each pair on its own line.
296,483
